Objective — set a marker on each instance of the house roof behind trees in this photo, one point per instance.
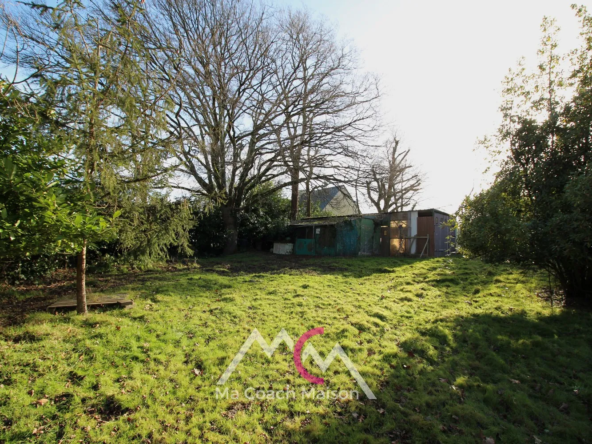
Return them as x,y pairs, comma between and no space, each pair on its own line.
335,199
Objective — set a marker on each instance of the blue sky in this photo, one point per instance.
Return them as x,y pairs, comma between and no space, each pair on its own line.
441,65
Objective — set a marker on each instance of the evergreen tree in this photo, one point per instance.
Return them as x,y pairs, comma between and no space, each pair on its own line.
43,209
541,197
88,62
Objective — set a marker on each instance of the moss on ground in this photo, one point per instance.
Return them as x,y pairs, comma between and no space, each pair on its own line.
455,351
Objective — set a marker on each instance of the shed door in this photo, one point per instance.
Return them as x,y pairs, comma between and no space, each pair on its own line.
399,235
441,233
385,241
325,240
425,227
305,244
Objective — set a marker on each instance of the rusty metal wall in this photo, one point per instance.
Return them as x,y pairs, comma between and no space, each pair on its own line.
425,226
441,235
399,231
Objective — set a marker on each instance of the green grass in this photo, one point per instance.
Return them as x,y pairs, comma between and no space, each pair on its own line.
455,351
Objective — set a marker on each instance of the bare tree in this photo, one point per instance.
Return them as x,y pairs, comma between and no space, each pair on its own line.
335,101
220,55
391,182
256,97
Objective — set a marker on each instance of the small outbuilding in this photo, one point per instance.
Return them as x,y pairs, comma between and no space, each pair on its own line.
421,233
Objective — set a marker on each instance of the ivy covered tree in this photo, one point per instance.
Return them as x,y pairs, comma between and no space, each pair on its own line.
264,220
539,209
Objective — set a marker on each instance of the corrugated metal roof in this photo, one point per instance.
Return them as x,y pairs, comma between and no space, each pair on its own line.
319,221
314,224
331,220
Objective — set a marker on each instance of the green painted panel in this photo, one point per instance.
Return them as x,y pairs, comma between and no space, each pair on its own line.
376,241
326,251
305,247
348,238
325,240
366,238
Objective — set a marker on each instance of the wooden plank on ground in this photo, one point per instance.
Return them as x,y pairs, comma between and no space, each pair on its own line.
95,302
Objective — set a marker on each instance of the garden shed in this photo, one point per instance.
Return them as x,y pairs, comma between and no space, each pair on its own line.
408,233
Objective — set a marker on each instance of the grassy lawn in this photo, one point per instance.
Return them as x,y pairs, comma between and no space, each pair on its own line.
454,350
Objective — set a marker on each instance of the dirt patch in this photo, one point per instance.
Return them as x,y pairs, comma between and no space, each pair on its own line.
236,407
13,311
109,410
62,285
274,264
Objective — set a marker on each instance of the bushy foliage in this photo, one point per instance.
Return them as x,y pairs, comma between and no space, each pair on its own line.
263,221
492,227
147,230
84,145
540,208
42,210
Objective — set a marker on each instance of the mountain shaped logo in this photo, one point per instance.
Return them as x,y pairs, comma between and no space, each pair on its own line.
299,357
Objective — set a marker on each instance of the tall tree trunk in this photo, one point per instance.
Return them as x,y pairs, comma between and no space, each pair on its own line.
230,230
308,199
81,280
294,201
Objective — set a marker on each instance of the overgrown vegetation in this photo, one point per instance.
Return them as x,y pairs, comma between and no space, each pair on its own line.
115,103
262,222
538,210
455,350
88,136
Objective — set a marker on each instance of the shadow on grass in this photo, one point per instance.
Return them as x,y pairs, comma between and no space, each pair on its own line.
209,274
253,267
465,379
459,378
453,277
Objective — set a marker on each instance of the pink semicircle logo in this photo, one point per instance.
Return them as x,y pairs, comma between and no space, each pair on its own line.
298,351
